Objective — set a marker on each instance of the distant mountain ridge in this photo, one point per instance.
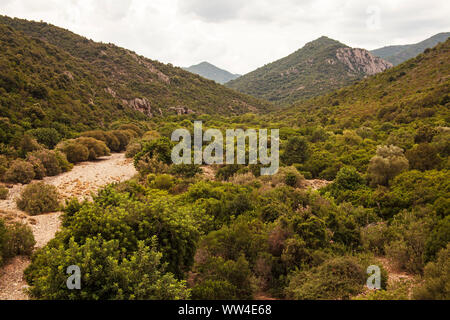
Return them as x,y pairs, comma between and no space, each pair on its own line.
319,67
211,72
400,53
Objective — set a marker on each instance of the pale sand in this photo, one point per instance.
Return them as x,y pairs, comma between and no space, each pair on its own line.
83,180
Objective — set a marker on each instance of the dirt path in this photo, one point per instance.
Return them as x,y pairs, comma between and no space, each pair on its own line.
80,182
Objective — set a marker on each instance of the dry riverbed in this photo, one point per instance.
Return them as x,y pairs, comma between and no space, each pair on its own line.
83,180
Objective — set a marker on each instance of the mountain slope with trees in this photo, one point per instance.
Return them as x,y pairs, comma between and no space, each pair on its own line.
140,83
319,67
400,53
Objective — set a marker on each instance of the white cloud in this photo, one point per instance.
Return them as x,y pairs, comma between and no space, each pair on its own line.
234,34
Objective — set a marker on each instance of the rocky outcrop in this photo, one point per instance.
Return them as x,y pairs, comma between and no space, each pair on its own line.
180,110
141,105
362,61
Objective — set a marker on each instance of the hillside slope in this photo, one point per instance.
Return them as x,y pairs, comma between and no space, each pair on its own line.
319,67
136,82
399,54
416,91
211,72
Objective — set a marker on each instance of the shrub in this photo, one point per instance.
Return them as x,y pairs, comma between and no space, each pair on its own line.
49,160
49,137
75,152
132,127
28,144
96,147
438,239
133,149
123,137
338,278
63,163
185,170
436,279
38,198
19,240
374,237
224,279
139,276
38,167
3,165
348,178
289,176
20,171
388,162
147,165
162,182
296,151
3,192
423,157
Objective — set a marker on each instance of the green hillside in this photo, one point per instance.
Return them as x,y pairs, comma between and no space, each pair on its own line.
400,53
415,91
132,76
319,67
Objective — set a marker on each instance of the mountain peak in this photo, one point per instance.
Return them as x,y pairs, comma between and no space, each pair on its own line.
211,72
320,66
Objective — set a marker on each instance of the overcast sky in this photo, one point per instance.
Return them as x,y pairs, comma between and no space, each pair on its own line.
237,35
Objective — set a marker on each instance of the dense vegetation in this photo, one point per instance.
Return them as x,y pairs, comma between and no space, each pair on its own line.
310,71
126,76
401,53
175,233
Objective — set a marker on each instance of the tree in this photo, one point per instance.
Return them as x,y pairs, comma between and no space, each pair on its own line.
388,163
423,157
296,151
436,279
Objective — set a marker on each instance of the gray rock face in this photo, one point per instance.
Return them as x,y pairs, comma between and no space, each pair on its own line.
141,105
362,61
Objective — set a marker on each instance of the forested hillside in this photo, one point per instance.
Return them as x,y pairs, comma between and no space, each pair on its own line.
319,67
400,53
54,78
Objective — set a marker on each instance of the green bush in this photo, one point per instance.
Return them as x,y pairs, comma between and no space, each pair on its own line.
436,279
140,276
185,170
3,192
38,167
49,137
19,240
49,160
338,278
423,157
388,163
75,152
96,147
348,178
15,239
438,239
38,198
224,279
162,182
133,149
296,151
20,171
